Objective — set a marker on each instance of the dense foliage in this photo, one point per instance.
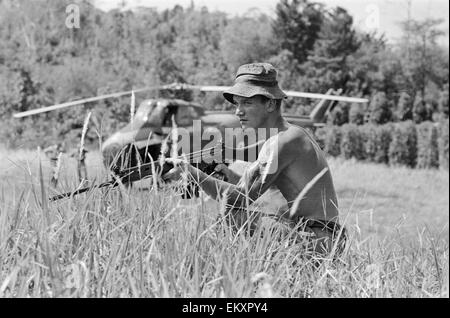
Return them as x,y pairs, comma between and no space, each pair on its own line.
315,48
423,145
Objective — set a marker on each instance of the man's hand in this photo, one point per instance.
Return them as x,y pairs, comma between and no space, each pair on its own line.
175,173
232,177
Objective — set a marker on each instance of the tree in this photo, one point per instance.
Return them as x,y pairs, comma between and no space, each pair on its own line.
379,109
288,75
196,47
356,114
420,54
420,110
404,107
297,25
338,116
254,45
364,65
443,104
327,64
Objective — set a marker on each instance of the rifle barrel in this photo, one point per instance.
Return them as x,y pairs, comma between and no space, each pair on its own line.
69,194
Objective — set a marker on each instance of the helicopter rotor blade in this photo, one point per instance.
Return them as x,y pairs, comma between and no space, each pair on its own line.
292,94
328,97
213,88
179,86
82,101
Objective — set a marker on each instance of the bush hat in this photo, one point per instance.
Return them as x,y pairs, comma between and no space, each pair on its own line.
255,79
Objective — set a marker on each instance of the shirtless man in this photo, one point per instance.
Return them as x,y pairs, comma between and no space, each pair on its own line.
289,161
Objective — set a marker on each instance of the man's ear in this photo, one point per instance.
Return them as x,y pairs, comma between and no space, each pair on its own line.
271,106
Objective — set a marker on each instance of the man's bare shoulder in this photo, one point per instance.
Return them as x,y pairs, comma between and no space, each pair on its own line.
290,143
295,137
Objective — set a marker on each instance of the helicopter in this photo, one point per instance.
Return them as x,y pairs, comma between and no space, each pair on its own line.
142,139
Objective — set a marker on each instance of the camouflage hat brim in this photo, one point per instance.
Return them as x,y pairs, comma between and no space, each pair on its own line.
252,88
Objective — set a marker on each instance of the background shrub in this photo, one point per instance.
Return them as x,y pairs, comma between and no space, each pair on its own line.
356,114
380,109
383,138
420,110
404,107
333,141
352,143
403,143
339,115
443,144
427,146
370,141
403,146
443,104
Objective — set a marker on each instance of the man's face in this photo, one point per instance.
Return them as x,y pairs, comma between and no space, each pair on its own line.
251,111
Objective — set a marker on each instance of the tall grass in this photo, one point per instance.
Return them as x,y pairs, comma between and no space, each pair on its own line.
142,243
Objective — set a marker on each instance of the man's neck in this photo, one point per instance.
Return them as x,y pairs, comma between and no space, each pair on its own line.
275,122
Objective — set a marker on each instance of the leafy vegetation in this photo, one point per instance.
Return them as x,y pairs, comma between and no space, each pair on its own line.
423,145
315,48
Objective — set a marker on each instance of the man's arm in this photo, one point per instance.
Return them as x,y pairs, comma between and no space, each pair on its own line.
232,176
255,181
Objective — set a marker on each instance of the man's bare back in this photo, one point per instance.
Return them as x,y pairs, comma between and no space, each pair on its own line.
295,159
300,159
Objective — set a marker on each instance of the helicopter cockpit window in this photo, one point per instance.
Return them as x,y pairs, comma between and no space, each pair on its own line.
184,115
145,110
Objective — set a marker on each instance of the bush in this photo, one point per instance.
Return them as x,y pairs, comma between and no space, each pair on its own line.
376,142
333,141
380,109
443,144
356,114
427,146
421,112
338,116
370,141
383,141
443,104
404,107
403,145
352,143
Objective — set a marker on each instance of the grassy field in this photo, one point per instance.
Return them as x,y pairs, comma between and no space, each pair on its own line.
151,243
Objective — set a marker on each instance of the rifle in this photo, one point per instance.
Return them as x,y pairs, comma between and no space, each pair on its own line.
127,175
143,171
